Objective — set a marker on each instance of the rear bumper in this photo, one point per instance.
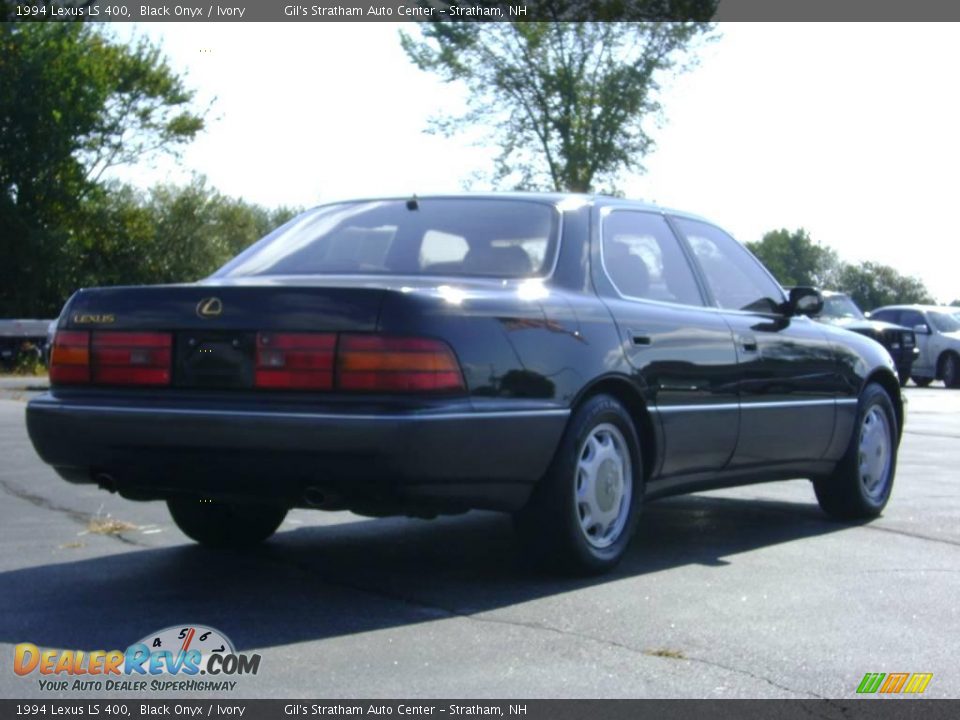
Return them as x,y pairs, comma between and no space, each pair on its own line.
436,457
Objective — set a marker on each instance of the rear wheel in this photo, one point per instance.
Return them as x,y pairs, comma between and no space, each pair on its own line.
950,370
584,511
860,486
903,375
224,525
922,381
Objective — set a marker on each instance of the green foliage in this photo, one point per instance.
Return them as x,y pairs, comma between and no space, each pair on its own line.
29,363
72,104
872,285
565,102
795,259
171,234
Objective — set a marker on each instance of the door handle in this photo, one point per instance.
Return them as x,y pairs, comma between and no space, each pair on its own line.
748,343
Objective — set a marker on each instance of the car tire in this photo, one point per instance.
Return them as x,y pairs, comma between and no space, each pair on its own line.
904,376
950,370
225,525
584,511
922,381
860,486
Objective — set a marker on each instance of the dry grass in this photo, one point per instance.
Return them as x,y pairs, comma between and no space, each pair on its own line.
666,653
108,526
73,545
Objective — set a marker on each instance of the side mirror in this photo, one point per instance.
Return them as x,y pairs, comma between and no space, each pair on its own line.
922,329
804,301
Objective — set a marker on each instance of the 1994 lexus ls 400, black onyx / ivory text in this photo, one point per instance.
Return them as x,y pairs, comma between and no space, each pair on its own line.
563,358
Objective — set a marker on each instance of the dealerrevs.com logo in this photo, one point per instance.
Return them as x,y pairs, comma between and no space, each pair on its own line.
173,659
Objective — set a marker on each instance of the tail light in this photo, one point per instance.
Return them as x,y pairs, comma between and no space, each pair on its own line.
131,358
111,358
382,364
295,360
301,361
70,358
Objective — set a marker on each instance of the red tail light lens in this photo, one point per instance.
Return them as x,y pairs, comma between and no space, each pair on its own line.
382,364
131,358
70,358
295,361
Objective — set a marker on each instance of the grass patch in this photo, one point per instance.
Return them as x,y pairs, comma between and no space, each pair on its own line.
666,653
28,365
108,526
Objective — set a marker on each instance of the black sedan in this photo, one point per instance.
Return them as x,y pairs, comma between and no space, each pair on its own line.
839,309
563,358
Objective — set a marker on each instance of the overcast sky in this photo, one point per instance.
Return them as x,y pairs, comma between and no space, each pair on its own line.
850,131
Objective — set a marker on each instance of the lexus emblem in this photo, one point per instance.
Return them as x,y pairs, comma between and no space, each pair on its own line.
209,307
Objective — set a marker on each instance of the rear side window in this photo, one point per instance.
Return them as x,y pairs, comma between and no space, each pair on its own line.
890,316
911,318
643,259
444,236
738,280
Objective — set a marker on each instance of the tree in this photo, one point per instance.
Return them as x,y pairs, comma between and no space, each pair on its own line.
565,102
170,234
872,285
72,104
795,259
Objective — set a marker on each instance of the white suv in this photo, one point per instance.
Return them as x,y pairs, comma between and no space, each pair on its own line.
938,337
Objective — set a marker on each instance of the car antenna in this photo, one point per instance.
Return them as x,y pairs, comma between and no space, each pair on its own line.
413,203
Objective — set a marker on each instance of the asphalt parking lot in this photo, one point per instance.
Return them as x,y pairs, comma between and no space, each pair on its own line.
739,593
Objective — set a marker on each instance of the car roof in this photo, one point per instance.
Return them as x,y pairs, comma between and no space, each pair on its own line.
554,198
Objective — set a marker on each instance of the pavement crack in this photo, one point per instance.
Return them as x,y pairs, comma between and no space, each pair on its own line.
78,516
452,612
907,533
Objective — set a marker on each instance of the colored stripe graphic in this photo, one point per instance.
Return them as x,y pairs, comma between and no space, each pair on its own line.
918,682
894,683
870,682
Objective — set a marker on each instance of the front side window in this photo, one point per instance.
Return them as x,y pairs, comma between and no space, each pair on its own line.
736,277
440,236
644,260
945,322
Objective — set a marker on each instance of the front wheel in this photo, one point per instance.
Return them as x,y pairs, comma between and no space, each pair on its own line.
921,381
583,512
225,525
861,484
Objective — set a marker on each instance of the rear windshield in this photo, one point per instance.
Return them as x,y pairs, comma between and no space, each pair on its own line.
840,306
497,238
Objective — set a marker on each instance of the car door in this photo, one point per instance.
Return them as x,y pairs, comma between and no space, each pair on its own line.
678,349
788,378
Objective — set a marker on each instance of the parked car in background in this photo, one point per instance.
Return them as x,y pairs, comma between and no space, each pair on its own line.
22,341
938,337
564,358
840,310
